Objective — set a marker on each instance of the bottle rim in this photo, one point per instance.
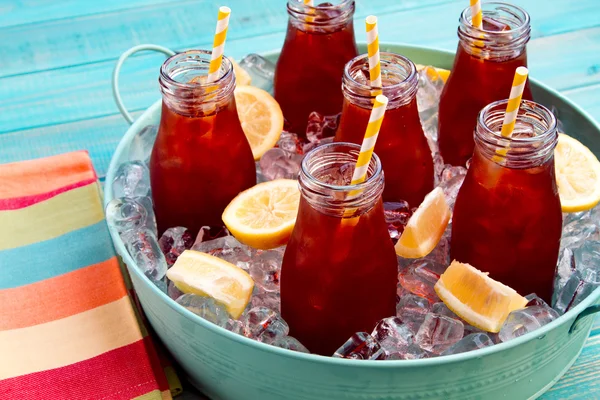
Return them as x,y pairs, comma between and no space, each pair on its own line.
202,58
317,16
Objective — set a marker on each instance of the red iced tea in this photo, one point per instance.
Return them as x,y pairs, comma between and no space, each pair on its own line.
483,71
308,77
339,274
201,159
401,146
507,218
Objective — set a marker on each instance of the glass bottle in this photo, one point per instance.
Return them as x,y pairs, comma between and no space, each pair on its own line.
507,218
339,271
308,76
401,146
201,158
483,71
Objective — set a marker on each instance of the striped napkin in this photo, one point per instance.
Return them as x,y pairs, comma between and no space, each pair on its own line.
68,329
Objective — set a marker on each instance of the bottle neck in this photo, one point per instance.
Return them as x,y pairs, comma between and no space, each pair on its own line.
322,18
326,164
398,75
184,86
504,33
533,141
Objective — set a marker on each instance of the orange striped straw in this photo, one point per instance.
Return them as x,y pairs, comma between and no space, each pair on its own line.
373,52
368,143
476,14
219,44
514,101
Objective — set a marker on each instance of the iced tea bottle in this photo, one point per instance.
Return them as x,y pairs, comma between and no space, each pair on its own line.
308,77
507,218
401,146
201,158
483,71
339,271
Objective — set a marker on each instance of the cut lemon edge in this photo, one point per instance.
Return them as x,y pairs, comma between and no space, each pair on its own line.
261,118
425,227
577,175
475,297
242,77
264,216
441,72
205,275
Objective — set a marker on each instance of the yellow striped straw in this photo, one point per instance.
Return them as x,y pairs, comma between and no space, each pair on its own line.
368,143
309,3
373,52
218,44
476,14
514,101
310,11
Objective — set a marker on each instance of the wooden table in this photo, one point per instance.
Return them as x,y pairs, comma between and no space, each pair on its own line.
56,60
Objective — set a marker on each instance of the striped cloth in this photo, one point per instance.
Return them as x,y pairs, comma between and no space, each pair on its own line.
68,329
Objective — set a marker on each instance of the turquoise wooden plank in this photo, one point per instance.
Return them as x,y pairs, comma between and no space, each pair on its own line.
588,98
13,12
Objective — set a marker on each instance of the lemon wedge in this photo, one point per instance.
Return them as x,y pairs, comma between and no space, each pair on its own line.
242,77
433,72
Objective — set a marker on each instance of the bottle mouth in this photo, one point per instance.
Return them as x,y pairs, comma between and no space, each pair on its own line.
326,167
317,17
512,31
398,75
183,82
533,141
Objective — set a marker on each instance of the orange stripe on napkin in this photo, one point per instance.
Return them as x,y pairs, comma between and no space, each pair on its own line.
69,340
33,177
61,296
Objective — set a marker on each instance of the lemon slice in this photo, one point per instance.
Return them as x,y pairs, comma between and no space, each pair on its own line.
242,77
425,227
261,118
477,298
577,175
264,215
205,275
432,72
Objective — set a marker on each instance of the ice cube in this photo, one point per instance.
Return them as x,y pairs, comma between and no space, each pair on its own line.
441,309
277,163
261,71
162,285
207,233
143,247
173,242
321,126
565,268
126,214
440,255
411,352
337,175
173,292
412,309
438,333
428,94
290,142
587,256
534,300
290,343
470,342
393,335
132,180
264,325
576,289
235,326
396,217
420,277
146,202
270,300
493,25
229,249
205,307
360,346
576,232
265,269
526,320
451,179
141,145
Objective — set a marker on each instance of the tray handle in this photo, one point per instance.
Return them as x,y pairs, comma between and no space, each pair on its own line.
117,70
588,311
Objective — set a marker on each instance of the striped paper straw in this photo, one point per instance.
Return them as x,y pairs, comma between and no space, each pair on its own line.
368,143
308,3
311,11
514,101
373,52
218,44
476,14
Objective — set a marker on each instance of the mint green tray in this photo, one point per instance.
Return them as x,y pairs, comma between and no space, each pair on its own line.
228,366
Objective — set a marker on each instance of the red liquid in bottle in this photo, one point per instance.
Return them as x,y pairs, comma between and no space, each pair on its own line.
308,76
507,219
199,162
478,78
337,278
